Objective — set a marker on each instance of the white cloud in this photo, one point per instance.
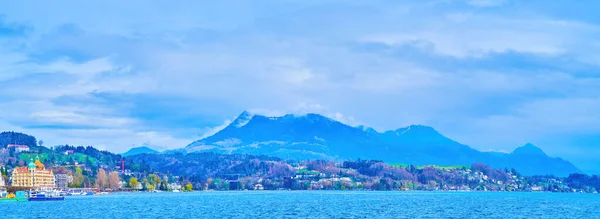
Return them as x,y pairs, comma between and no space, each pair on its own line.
86,70
213,130
71,118
475,39
116,140
348,120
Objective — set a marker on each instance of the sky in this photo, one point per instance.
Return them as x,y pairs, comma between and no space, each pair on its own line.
492,74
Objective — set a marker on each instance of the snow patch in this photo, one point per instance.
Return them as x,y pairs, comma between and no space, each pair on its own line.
258,144
228,142
200,148
406,130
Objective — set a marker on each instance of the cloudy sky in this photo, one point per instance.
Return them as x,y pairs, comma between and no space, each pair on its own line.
493,74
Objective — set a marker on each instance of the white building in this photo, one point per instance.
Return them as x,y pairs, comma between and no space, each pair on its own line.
19,148
174,186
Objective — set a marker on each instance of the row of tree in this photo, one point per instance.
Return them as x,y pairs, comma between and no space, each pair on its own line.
102,180
153,182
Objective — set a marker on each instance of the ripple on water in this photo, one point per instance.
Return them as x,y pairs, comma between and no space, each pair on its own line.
314,204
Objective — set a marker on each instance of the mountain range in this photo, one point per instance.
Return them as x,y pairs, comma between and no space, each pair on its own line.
313,136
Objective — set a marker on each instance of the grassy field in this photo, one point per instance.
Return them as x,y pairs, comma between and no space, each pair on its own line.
435,166
307,172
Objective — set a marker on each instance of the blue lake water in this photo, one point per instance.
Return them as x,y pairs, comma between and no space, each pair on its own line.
313,204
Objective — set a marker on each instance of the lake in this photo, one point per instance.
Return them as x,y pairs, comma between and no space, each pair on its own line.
314,204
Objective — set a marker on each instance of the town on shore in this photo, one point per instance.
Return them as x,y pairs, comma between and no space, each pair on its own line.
82,170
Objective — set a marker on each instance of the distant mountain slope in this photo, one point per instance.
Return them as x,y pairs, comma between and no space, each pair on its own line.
313,136
139,150
531,160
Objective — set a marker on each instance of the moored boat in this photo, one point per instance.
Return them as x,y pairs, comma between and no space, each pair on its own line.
46,195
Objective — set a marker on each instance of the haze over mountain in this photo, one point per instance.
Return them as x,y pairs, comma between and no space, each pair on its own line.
313,136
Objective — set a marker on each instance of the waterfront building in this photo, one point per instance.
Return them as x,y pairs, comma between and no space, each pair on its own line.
62,181
33,175
174,186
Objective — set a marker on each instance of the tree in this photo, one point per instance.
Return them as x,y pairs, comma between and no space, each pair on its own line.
87,182
165,183
113,180
210,183
189,187
4,172
61,170
133,183
102,179
153,180
145,184
77,178
88,163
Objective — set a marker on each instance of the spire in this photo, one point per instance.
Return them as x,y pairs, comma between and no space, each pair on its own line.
31,165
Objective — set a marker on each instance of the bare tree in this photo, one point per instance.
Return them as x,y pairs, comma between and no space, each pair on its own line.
102,179
113,180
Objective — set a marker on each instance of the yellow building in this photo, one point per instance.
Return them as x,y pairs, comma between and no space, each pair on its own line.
33,175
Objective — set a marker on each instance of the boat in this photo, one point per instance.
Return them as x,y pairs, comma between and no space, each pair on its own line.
46,195
176,190
75,192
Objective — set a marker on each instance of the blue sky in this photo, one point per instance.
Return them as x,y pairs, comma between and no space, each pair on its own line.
493,74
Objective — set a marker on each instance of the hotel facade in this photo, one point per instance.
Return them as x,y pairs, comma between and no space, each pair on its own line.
33,175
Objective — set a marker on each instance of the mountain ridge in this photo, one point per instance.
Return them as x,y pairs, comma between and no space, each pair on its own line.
314,136
139,150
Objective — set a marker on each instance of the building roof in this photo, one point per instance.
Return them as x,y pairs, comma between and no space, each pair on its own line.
21,169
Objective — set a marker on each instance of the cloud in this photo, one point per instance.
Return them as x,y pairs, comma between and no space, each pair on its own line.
116,140
472,69
85,71
13,29
213,130
476,36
